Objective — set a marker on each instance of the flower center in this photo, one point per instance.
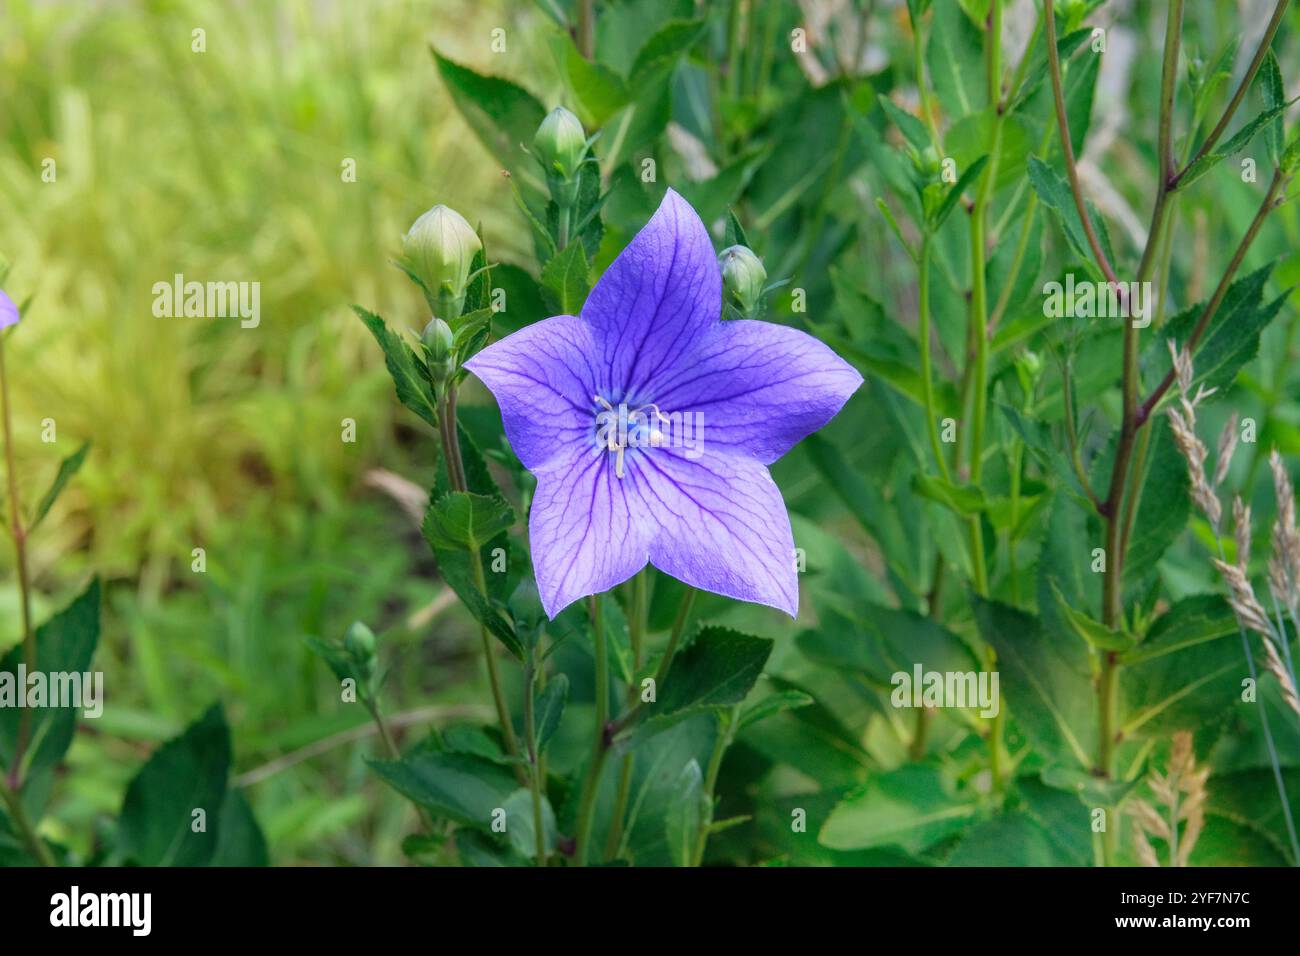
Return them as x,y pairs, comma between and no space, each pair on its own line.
619,428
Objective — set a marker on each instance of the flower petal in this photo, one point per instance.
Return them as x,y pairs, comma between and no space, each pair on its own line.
655,301
587,530
544,381
8,311
720,525
758,387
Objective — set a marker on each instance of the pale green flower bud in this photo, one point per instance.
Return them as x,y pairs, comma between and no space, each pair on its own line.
743,278
359,642
439,249
561,144
438,343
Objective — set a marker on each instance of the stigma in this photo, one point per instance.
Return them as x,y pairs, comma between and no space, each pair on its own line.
619,428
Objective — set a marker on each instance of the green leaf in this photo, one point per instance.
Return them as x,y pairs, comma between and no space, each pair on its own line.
186,774
67,468
599,91
964,182
653,797
340,662
1093,633
1011,839
564,280
501,114
240,841
1164,507
520,828
1231,337
661,52
1235,145
463,787
735,235
913,130
899,376
550,708
410,375
1270,81
1088,786
1047,683
1038,439
883,641
812,740
954,56
687,813
65,645
1054,192
455,527
912,807
462,519
961,499
771,705
1191,621
1080,86
717,669
1188,671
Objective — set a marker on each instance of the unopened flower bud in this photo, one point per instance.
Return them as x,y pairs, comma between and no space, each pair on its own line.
743,277
359,642
561,144
438,342
439,249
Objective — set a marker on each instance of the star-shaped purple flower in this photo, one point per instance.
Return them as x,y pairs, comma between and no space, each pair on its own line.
650,423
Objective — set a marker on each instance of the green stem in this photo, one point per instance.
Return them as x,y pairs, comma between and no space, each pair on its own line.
394,753
534,776
1271,200
1260,52
734,48
600,743
449,430
1017,462
674,638
927,381
918,54
18,815
726,731
562,226
978,336
916,750
636,637
24,576
586,32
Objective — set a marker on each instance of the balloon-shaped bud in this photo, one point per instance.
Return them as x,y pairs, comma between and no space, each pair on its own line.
439,250
560,144
743,278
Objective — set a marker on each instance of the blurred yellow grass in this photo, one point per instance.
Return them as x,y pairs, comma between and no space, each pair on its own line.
223,165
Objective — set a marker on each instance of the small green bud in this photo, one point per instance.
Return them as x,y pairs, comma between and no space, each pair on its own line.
439,249
561,144
930,160
743,277
438,344
359,642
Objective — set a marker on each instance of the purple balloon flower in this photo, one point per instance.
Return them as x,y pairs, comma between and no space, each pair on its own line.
650,423
8,311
